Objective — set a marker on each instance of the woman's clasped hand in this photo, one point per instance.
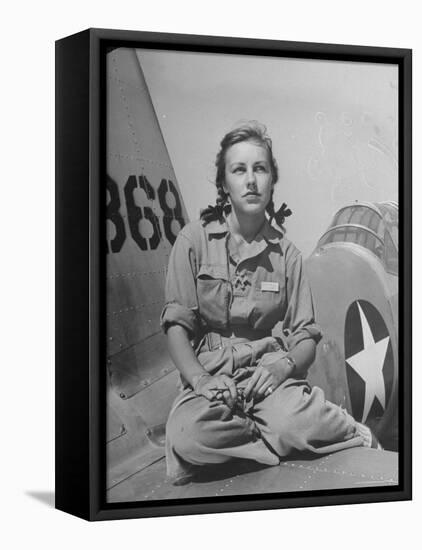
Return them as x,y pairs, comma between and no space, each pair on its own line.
269,374
218,387
271,371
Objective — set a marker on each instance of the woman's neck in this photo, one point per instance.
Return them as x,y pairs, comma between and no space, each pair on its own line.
245,226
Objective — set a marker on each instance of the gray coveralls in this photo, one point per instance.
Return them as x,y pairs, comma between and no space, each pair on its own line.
229,305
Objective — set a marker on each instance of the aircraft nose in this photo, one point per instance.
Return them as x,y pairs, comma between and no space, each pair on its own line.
358,363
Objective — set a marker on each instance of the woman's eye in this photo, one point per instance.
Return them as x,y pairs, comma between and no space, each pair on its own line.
261,169
239,169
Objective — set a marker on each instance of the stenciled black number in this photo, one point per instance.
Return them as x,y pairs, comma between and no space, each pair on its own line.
170,213
113,214
136,213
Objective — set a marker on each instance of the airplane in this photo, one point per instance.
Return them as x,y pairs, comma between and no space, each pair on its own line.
353,273
145,210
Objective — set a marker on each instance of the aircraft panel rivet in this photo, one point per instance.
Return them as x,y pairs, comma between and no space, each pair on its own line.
123,396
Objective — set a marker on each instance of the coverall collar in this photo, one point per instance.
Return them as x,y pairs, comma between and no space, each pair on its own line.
268,232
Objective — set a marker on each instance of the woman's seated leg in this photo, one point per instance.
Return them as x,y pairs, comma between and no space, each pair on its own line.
201,432
297,417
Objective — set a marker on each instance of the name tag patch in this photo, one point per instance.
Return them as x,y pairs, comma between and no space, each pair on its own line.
269,286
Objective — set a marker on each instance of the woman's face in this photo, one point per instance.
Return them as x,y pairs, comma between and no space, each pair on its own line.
248,178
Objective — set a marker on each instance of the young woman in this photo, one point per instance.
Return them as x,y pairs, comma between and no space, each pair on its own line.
232,277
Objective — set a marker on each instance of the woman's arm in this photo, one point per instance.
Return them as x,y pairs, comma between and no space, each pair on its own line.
299,321
183,355
303,356
303,335
180,321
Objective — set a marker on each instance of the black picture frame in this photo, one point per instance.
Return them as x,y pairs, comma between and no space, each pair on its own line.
80,267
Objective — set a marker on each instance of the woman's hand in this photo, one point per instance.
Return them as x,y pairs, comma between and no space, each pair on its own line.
271,371
219,387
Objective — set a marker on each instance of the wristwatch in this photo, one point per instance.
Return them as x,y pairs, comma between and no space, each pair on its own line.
291,362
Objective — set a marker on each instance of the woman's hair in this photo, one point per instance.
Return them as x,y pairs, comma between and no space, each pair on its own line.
250,131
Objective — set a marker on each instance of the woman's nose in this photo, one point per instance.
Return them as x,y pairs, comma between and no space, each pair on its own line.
251,179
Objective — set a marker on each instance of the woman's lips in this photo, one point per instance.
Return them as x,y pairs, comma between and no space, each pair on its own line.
252,197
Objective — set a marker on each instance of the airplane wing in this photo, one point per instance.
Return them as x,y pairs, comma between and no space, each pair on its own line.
349,469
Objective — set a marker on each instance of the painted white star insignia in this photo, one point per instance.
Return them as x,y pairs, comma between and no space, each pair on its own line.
369,363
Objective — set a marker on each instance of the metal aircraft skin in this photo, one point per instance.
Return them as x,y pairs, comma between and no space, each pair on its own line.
353,273
354,284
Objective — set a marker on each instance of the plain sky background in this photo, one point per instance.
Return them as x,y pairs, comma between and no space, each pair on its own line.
333,126
27,290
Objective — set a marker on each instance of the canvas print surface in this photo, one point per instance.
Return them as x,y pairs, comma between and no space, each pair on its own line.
254,349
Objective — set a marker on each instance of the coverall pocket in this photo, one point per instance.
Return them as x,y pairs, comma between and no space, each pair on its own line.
213,295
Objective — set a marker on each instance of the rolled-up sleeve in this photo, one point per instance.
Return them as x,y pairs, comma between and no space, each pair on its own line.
181,306
299,321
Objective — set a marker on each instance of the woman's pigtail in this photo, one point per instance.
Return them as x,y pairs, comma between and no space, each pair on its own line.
221,197
217,212
280,215
270,209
